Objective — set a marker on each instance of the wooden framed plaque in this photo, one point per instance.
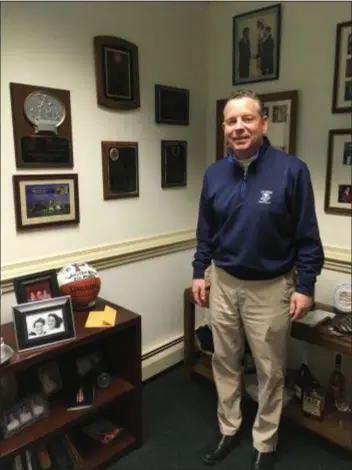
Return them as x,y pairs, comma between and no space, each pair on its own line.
42,131
171,105
173,163
120,169
117,73
281,109
46,200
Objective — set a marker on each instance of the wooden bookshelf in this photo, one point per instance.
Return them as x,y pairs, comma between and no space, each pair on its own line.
121,401
336,427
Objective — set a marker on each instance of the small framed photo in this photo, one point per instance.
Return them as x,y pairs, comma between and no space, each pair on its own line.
120,169
342,84
117,73
338,187
171,105
38,286
173,163
50,378
256,45
43,323
46,200
23,414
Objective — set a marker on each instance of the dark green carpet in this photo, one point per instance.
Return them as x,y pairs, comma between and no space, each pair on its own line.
180,416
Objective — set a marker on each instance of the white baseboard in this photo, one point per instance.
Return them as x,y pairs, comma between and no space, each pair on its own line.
153,364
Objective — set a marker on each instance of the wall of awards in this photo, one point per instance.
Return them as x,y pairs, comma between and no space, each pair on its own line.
42,126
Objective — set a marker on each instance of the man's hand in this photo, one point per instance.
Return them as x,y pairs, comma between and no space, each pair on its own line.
300,305
198,291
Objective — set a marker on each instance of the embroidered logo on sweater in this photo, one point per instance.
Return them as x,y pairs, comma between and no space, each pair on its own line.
265,197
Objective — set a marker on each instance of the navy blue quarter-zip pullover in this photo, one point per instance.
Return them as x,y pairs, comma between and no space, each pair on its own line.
261,223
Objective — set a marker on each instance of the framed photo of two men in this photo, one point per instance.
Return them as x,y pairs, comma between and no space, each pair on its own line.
256,45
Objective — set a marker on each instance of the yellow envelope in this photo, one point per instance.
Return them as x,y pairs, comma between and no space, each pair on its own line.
101,318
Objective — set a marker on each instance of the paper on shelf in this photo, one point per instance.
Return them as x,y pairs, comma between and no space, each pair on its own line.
101,318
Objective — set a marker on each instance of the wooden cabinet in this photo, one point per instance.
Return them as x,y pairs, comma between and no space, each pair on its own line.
336,427
121,402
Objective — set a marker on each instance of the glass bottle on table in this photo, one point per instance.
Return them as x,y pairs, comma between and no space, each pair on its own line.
337,386
305,379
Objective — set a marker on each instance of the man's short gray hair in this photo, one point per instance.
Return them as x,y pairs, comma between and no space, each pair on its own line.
247,94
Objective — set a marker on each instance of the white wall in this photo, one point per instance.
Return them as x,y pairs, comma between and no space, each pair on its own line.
51,44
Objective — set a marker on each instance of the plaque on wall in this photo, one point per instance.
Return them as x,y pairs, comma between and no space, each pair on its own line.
116,72
120,169
42,131
171,105
173,163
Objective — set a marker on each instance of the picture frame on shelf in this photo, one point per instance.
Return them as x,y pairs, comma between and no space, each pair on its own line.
43,323
46,200
37,286
338,187
171,105
342,82
282,111
256,41
117,73
120,169
42,126
50,378
173,163
23,414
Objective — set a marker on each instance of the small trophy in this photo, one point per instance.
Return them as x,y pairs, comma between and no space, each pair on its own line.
45,113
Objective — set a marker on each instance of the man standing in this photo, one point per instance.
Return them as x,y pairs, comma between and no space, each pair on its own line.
256,226
267,53
244,54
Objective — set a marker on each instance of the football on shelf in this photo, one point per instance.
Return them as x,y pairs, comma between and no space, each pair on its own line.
82,282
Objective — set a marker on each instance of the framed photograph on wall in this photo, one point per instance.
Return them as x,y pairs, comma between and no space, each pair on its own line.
342,85
120,169
116,72
173,163
171,105
46,200
338,185
38,286
281,109
256,38
43,323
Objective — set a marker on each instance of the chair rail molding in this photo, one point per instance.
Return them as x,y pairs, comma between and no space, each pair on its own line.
138,249
103,257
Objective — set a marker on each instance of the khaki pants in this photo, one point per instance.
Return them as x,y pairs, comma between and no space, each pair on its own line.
260,310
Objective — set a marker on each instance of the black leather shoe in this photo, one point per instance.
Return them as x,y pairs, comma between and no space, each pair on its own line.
218,452
263,460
